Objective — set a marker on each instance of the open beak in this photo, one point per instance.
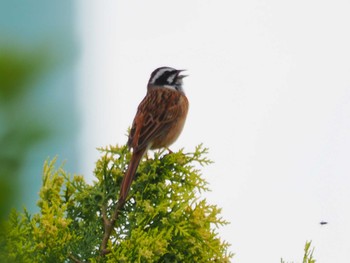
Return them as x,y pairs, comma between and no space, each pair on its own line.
181,76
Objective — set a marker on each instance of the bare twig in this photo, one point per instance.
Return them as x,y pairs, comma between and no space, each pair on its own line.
74,259
109,224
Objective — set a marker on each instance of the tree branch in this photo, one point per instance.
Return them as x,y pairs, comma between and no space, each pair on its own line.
74,259
109,224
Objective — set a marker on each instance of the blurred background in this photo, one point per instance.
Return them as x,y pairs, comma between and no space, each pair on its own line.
269,92
38,96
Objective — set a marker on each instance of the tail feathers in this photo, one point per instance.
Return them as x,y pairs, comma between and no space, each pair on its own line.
130,174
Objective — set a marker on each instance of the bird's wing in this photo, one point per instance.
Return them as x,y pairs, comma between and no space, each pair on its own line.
156,111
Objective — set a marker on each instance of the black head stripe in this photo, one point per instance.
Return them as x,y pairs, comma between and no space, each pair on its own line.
163,76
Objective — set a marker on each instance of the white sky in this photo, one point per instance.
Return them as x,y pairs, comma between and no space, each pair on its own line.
269,92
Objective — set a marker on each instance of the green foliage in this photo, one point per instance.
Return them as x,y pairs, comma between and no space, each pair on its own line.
308,254
41,237
165,219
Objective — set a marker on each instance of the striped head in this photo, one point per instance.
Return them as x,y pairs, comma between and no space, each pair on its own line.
166,77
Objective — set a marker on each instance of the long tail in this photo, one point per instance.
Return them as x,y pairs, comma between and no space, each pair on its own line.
129,175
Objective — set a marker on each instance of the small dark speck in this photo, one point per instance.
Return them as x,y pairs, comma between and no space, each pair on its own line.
323,223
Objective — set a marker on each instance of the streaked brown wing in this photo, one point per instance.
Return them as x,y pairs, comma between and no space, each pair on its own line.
155,112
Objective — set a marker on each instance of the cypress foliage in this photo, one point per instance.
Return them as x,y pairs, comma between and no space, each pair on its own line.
164,220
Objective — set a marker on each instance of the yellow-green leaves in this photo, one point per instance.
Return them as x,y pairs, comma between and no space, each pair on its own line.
44,236
164,219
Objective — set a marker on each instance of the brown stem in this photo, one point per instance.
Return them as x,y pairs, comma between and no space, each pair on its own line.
74,259
108,225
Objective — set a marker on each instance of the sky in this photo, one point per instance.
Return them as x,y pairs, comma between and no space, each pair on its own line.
269,92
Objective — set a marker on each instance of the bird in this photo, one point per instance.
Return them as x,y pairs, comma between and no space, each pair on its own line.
159,120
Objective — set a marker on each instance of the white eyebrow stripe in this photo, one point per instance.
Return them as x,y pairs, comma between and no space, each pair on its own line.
159,73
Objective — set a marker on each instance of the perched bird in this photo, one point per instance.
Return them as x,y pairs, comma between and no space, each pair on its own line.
159,119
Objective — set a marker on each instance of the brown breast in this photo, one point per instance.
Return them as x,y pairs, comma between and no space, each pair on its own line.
172,129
